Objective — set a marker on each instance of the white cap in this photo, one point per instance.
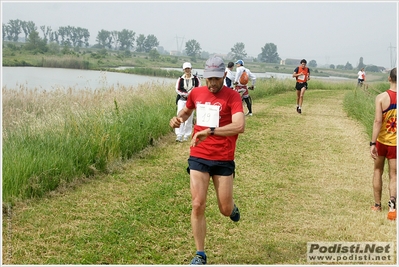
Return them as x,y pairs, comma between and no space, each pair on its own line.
186,65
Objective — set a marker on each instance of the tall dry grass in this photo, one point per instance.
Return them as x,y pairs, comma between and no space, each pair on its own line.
55,137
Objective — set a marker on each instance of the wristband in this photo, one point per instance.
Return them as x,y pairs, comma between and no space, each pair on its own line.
212,130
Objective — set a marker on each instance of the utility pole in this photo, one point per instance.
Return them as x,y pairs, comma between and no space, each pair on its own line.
393,59
179,49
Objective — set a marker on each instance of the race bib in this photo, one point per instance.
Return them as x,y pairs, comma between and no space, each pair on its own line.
301,77
207,115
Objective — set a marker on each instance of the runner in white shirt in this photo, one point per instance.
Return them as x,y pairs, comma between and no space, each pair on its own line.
242,88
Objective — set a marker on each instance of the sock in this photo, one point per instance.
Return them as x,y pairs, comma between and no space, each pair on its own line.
202,254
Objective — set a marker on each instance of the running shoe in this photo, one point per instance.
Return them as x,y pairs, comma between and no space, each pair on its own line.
235,214
178,139
392,210
198,260
376,207
299,110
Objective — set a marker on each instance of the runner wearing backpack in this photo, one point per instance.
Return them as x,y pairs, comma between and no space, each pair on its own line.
243,75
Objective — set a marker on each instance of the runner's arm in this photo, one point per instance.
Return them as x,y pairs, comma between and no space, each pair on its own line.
183,115
376,125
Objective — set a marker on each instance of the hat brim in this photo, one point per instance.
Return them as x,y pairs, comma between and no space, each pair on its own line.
211,74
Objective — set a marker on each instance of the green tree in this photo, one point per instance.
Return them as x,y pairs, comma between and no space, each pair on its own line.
36,43
4,31
193,48
83,37
28,27
361,64
126,39
372,68
53,48
78,36
102,38
238,51
54,38
14,29
46,32
204,54
140,43
65,33
150,42
348,66
269,54
113,38
332,66
154,54
312,63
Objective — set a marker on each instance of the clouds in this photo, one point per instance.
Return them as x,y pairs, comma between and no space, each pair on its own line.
328,32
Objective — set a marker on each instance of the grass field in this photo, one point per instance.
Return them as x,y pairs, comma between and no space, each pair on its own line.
300,178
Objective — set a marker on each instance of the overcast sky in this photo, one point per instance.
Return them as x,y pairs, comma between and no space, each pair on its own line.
328,32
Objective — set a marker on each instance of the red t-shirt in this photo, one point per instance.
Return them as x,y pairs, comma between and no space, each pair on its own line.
216,147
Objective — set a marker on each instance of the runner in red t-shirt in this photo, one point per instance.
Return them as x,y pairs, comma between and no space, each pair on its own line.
220,118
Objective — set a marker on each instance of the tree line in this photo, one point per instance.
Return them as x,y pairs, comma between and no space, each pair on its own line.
126,40
118,40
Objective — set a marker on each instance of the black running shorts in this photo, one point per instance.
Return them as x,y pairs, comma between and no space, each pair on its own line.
213,167
299,86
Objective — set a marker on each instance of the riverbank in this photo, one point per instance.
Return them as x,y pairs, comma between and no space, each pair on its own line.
109,60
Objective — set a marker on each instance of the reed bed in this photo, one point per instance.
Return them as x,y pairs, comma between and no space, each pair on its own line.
69,62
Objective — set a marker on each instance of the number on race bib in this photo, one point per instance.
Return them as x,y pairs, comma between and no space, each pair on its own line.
207,115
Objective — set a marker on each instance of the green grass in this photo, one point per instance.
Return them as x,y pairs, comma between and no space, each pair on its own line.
359,104
300,178
56,137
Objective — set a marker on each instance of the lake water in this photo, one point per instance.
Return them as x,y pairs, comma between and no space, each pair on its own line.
268,74
257,74
57,78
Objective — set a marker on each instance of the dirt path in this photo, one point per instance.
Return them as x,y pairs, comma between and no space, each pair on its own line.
300,178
